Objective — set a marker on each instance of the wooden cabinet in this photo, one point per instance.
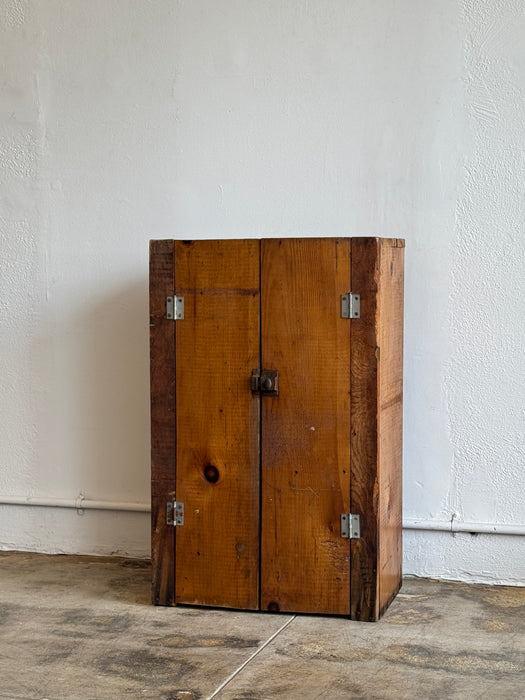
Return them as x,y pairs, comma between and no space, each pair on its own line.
275,417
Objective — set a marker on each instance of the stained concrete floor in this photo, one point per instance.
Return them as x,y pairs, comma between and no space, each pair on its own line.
83,627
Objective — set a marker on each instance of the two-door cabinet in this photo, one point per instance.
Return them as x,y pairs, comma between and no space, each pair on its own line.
276,413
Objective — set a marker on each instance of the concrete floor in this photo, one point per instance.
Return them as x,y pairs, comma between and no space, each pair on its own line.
83,627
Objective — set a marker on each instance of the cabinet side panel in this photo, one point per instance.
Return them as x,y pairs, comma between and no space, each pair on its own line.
162,387
218,346
305,430
390,421
364,486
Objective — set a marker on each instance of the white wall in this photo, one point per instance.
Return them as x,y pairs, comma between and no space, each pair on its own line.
125,120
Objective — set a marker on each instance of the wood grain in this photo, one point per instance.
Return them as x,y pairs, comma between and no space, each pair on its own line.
331,440
218,418
376,436
305,430
390,420
364,487
162,384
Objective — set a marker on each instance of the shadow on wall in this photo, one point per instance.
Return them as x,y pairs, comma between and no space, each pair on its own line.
96,426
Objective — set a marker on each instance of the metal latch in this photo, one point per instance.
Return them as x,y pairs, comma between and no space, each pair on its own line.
350,526
175,308
174,513
265,382
350,305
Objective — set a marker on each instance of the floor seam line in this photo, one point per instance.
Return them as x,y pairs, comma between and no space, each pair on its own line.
250,658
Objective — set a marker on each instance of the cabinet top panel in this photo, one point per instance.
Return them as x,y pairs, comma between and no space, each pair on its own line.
387,242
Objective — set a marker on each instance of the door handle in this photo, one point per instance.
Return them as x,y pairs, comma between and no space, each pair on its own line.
265,382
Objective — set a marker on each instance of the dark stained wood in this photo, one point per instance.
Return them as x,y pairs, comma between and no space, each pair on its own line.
162,544
218,418
305,430
162,383
376,409
390,419
364,491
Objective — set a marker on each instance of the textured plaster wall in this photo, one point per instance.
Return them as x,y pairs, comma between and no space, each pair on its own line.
122,121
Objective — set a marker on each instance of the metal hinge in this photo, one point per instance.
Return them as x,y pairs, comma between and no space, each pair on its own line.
350,305
350,526
175,308
174,513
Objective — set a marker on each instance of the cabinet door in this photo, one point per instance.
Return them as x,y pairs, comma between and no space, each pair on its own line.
217,423
305,563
